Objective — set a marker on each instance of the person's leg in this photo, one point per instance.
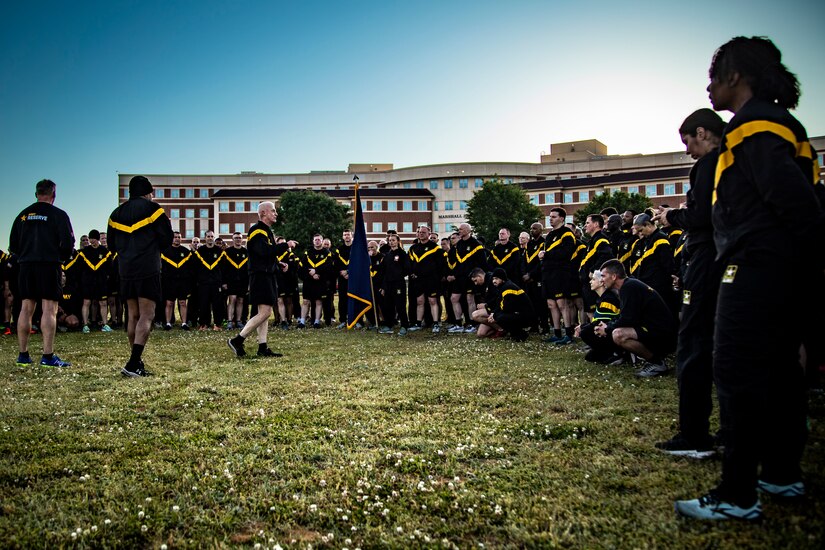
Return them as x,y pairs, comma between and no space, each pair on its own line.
230,308
24,324
434,311
170,305
255,323
48,324
84,311
555,315
627,339
419,309
103,306
455,300
183,307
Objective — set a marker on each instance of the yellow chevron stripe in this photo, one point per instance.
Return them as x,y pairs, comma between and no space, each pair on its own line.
593,251
648,253
137,225
504,259
208,266
178,264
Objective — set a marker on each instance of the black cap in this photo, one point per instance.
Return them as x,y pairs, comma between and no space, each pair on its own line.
499,273
139,186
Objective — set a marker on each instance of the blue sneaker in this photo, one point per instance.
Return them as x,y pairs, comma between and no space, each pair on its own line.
23,360
564,340
55,361
791,490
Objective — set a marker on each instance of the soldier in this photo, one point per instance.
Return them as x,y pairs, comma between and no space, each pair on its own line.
210,285
236,279
426,263
176,280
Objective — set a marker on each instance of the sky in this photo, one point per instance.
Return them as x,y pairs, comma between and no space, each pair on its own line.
89,89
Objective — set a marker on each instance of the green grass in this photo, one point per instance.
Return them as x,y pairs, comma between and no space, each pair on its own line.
360,441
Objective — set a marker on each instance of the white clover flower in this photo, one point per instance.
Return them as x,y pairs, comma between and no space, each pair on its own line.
323,483
141,514
399,529
470,510
107,521
74,535
143,528
163,547
176,508
94,528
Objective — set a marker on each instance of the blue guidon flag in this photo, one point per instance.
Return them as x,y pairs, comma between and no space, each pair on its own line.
359,289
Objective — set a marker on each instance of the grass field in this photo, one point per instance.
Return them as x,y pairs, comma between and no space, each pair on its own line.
356,440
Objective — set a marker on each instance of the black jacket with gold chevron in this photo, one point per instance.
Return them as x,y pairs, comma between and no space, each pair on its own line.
508,257
426,260
764,196
653,262
209,264
322,261
560,247
512,302
138,231
469,255
262,249
696,216
177,263
598,252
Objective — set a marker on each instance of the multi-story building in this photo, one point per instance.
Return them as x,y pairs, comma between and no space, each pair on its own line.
403,198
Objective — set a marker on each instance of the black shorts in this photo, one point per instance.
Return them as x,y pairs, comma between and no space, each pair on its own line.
263,289
39,281
428,286
147,288
660,342
238,288
590,298
94,288
556,285
315,290
176,289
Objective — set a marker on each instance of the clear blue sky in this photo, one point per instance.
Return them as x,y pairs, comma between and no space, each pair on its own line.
89,89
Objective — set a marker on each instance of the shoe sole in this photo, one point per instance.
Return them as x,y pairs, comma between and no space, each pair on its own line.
691,453
783,491
129,374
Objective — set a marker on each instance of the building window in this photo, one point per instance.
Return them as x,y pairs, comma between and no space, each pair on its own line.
479,183
435,206
190,233
534,199
407,185
422,205
549,198
568,219
376,206
240,228
546,221
448,205
685,188
508,180
203,193
437,227
463,183
223,206
633,189
568,198
376,227
392,226
158,193
204,213
407,206
190,193
223,229
174,213
448,184
239,206
408,227
670,189
190,213
433,184
584,196
462,205
419,185
174,193
650,190
599,192
392,206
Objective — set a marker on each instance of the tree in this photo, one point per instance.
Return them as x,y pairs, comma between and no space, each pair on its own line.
301,214
498,205
619,200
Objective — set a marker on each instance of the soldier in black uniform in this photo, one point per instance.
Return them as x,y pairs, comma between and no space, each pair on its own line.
93,261
513,311
652,260
176,280
598,252
396,266
701,133
287,277
41,238
210,286
263,292
236,279
138,231
558,275
342,269
426,271
506,255
531,276
469,254
317,269
769,233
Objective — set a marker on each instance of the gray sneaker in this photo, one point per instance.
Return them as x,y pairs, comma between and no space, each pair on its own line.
436,328
651,369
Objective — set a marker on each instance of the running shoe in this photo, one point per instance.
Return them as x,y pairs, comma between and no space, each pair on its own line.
236,345
791,490
678,445
23,360
55,361
711,507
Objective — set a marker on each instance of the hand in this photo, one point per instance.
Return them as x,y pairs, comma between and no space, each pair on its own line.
600,329
284,266
577,332
541,255
450,278
490,319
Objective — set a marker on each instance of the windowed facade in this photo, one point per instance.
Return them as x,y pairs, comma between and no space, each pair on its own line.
407,185
158,193
422,205
568,198
448,205
240,228
534,199
203,193
407,206
479,183
174,193
463,183
240,206
448,184
223,228
174,213
392,206
462,205
392,225
633,189
650,190
204,213
435,206
433,184
584,196
190,234
419,185
376,227
376,206
190,193
408,227
670,189
223,206
190,213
